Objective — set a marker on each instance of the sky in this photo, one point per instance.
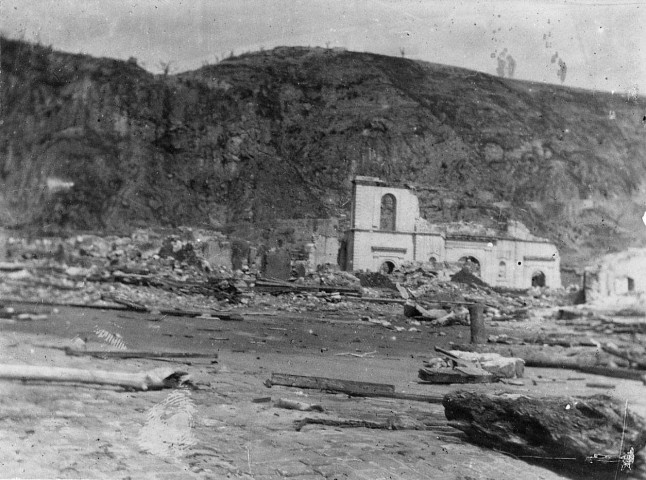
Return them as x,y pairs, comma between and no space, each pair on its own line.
598,45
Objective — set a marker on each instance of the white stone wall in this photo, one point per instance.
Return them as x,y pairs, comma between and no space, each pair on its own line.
428,246
324,250
367,208
456,249
523,259
373,248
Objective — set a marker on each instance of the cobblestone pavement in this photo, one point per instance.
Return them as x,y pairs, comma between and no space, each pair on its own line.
225,429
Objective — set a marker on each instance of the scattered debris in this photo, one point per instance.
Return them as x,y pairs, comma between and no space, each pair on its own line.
466,277
453,370
501,367
613,349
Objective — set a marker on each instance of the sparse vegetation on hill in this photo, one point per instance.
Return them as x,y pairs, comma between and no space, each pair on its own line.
280,134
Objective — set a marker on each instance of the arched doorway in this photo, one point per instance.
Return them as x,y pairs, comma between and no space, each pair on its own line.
387,267
538,279
471,264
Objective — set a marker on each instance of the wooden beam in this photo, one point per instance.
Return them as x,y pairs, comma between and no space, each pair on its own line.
613,372
150,380
138,308
136,354
349,387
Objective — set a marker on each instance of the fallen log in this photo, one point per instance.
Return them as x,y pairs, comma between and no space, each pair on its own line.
349,387
136,354
560,431
150,380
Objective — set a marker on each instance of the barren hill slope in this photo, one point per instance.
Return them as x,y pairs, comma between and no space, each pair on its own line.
280,134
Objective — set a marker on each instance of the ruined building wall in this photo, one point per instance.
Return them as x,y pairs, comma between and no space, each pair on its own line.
617,274
504,261
370,244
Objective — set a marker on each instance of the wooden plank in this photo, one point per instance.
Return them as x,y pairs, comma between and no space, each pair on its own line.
135,307
393,423
136,354
149,380
228,316
349,387
62,304
613,372
455,375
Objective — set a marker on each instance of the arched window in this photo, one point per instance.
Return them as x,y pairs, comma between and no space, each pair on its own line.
502,271
388,212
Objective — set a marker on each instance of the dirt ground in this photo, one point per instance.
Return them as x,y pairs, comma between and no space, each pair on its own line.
229,426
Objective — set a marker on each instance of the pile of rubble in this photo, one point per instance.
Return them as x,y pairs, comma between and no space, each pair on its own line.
152,268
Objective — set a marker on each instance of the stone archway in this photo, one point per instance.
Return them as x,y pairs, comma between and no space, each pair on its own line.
387,267
471,264
538,279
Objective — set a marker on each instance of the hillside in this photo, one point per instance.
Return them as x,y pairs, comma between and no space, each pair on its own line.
280,134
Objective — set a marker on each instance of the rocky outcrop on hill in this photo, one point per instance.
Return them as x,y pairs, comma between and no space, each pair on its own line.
92,143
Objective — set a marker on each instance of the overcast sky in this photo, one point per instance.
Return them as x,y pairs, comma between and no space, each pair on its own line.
590,44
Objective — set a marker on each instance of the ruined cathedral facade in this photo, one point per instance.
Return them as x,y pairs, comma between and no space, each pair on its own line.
387,230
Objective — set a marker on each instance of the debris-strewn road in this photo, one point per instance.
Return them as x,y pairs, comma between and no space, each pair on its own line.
230,427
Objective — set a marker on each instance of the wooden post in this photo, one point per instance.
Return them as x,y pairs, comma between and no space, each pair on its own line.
478,334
